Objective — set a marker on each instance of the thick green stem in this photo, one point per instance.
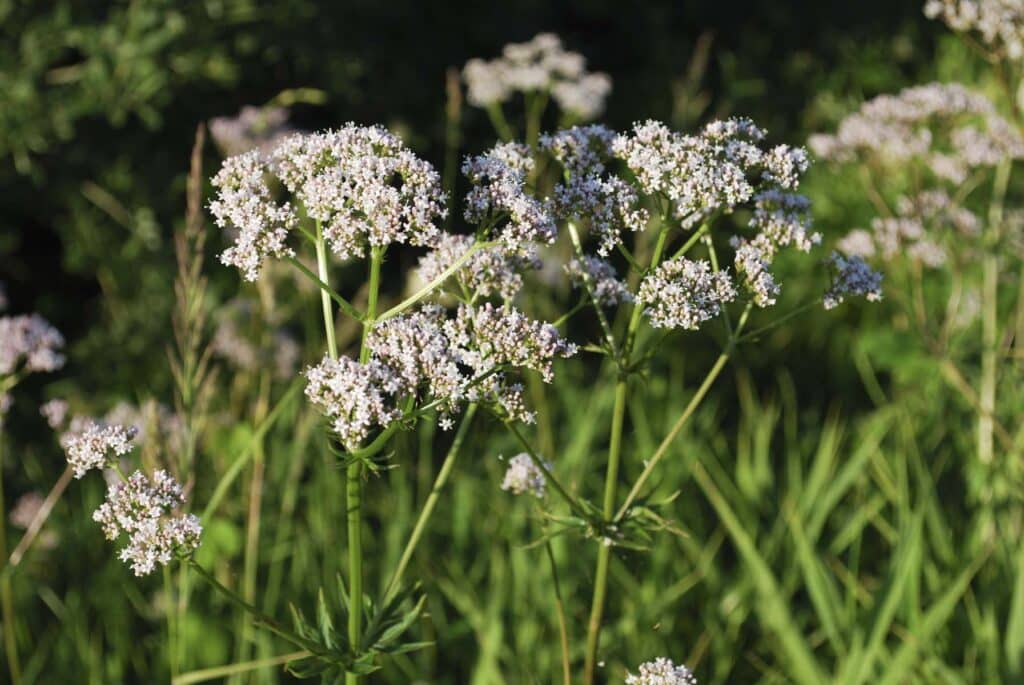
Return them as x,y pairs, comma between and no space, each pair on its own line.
325,298
611,479
428,506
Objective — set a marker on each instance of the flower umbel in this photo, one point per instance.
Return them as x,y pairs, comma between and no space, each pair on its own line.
523,476
682,293
662,671
96,445
852,276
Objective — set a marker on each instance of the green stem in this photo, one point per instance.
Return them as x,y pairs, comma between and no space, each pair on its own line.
325,297
563,631
6,600
207,674
990,314
548,476
692,240
172,627
588,284
432,499
325,289
499,122
611,480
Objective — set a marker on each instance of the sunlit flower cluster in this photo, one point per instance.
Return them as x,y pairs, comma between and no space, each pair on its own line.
682,293
147,511
851,276
356,398
364,186
489,271
245,205
999,23
600,278
96,445
30,343
662,671
723,166
541,64
523,476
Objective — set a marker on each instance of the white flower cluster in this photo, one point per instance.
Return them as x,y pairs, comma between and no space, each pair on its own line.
55,412
541,64
450,360
588,193
723,166
917,231
662,671
364,185
147,512
999,22
30,340
851,276
253,128
356,397
682,293
93,444
607,288
752,263
490,271
914,124
500,199
245,204
523,476
361,182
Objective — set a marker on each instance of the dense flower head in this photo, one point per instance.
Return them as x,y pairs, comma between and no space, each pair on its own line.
851,276
245,204
364,186
96,444
721,167
949,127
588,193
503,336
682,293
499,197
29,340
662,671
253,128
600,277
523,476
357,398
489,271
147,511
999,23
753,263
781,220
541,64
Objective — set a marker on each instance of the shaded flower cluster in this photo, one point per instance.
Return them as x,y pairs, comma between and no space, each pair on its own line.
913,125
499,197
662,671
253,128
147,511
851,276
489,271
682,293
538,65
608,290
588,192
523,476
29,342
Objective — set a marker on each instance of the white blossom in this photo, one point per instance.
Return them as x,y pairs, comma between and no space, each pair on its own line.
253,128
1000,23
490,271
523,476
662,671
29,340
147,512
499,197
55,412
753,263
681,293
244,203
608,289
364,186
356,398
96,445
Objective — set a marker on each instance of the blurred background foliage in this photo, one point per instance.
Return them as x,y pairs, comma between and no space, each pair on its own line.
826,512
